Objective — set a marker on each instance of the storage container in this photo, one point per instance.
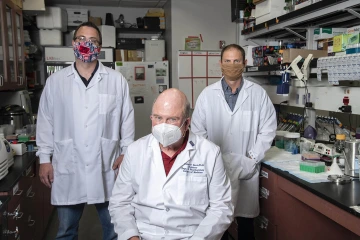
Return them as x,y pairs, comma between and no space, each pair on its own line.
279,139
52,18
77,16
108,36
292,142
50,37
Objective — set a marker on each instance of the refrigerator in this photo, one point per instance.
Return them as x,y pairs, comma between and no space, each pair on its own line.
57,58
146,81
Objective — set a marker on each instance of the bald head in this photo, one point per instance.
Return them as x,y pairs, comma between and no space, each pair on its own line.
171,101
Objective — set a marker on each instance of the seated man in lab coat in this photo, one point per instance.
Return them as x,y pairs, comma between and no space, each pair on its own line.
172,183
85,122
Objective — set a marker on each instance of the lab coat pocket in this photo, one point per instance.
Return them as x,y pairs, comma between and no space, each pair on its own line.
109,153
63,157
233,168
108,104
247,123
192,190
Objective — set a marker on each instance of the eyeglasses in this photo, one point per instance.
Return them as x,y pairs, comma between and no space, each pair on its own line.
83,39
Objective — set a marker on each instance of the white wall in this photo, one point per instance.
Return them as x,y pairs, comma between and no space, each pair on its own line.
211,18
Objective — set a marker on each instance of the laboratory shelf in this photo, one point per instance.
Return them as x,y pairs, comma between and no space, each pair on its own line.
326,13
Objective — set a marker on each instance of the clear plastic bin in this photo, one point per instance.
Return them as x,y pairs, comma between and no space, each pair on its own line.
292,142
279,139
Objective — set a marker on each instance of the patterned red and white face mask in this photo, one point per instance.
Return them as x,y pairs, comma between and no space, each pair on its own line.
86,51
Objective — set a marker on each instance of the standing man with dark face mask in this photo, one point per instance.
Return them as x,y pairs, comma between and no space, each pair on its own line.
85,123
238,116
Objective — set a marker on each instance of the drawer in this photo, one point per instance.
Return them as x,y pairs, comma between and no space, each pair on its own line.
267,179
20,188
15,225
267,204
264,229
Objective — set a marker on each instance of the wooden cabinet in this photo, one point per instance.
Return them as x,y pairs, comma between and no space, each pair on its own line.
12,61
288,211
28,210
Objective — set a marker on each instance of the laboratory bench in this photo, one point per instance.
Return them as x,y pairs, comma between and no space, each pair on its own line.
291,208
25,202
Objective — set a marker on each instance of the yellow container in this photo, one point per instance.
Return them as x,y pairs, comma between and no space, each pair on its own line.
340,43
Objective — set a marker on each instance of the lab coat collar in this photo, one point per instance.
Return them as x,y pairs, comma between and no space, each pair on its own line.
243,94
181,159
96,78
101,70
218,86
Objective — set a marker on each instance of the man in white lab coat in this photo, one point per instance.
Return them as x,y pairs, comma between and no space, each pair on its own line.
172,183
85,122
238,116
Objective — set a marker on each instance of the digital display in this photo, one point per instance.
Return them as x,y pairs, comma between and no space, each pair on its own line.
320,148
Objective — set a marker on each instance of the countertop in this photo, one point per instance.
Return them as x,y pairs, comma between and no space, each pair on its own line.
342,196
21,163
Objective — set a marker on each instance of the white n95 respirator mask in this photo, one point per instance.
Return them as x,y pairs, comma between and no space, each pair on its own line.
167,134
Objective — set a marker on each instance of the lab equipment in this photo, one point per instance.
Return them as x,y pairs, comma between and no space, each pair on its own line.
312,166
3,160
306,145
339,179
351,154
323,149
339,143
279,139
334,168
292,142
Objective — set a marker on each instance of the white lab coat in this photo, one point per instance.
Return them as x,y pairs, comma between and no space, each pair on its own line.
246,132
84,129
192,202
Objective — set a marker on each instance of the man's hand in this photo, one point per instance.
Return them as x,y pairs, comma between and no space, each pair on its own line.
117,163
46,173
134,238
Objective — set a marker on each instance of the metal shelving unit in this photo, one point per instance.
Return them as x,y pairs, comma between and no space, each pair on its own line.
326,13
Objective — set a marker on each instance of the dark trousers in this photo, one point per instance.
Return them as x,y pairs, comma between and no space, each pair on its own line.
245,229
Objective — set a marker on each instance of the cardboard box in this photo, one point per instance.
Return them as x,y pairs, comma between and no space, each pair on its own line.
353,30
121,55
290,54
340,43
135,55
96,20
155,12
323,33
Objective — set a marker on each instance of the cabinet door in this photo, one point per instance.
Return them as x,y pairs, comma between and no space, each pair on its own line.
20,59
2,47
10,79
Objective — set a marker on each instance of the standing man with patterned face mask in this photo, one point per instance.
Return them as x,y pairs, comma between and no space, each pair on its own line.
85,123
172,184
238,116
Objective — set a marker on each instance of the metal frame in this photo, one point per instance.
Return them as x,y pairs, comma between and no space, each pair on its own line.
287,24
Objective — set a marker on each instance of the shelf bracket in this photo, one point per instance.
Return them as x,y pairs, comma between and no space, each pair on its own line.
295,33
353,12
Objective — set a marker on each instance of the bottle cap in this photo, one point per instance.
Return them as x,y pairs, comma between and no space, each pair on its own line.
340,137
